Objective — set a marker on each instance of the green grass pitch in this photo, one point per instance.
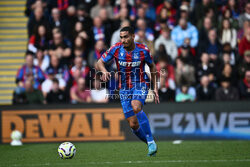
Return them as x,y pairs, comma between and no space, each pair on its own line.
119,154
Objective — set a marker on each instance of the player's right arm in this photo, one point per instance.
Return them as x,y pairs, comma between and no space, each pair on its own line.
106,57
101,67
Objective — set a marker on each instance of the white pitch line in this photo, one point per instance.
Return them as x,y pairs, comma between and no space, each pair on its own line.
132,162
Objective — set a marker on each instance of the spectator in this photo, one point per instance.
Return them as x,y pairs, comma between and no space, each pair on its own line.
186,54
184,12
141,25
40,39
245,64
170,45
99,31
141,37
205,68
80,65
149,9
166,70
165,91
228,73
42,60
203,31
70,19
210,13
124,4
34,96
212,46
60,71
98,94
116,35
19,96
84,18
226,91
159,25
242,32
244,86
163,21
184,30
37,19
201,9
31,5
47,85
57,20
78,27
214,62
107,22
79,93
101,4
122,17
233,6
96,53
141,14
56,95
226,59
80,43
245,42
168,4
227,14
205,91
183,95
233,56
184,72
228,34
245,16
80,52
29,70
60,47
79,31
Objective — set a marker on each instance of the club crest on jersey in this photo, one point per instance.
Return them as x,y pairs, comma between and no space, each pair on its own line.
122,54
136,56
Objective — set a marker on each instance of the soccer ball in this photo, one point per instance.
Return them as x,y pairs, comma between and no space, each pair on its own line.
66,150
16,135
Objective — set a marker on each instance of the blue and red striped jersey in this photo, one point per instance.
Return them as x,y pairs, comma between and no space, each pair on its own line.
130,65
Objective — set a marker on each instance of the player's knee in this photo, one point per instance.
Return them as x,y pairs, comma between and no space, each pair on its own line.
136,108
136,105
134,125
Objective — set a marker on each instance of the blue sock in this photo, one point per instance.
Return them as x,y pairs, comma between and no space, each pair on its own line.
144,124
140,134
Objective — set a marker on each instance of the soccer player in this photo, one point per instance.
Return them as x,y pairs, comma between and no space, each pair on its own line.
131,58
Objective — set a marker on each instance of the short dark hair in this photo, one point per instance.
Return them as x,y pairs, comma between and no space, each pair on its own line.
29,53
129,29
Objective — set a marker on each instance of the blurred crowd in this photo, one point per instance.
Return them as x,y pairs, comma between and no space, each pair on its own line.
203,47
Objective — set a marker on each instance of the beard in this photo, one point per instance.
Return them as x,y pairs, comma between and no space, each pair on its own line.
126,45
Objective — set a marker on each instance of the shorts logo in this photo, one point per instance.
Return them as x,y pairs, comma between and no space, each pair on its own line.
143,90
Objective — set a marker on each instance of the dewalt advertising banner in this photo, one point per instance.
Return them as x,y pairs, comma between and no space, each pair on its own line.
53,125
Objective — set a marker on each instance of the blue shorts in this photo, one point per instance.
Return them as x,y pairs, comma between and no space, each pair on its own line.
135,93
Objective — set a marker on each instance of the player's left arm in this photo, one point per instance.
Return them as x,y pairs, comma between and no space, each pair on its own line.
152,67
